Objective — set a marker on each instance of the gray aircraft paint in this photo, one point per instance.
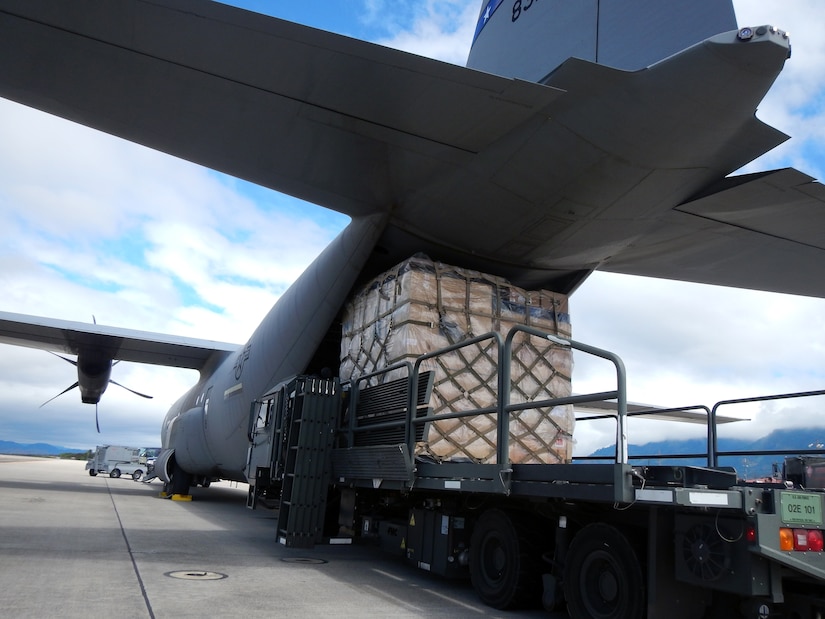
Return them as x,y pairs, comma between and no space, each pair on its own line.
207,428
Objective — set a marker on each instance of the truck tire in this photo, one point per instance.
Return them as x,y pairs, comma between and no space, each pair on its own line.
504,564
602,576
137,475
115,473
92,472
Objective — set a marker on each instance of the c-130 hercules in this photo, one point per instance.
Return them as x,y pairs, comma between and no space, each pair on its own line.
607,147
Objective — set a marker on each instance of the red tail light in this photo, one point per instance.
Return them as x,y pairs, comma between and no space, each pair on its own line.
800,539
815,540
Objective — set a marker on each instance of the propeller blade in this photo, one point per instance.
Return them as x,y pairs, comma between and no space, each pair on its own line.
66,359
143,395
97,424
69,388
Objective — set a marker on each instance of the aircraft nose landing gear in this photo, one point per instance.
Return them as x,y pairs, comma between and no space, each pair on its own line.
179,483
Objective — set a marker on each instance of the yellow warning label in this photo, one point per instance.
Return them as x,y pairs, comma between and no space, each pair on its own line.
412,520
403,543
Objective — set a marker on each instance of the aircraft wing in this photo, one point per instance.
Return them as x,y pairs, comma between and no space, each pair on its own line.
109,342
595,168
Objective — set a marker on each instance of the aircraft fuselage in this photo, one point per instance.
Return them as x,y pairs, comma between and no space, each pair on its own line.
207,427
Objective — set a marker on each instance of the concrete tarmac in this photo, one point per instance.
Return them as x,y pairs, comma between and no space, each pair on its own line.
72,545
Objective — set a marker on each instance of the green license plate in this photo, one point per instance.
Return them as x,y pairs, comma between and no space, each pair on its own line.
801,508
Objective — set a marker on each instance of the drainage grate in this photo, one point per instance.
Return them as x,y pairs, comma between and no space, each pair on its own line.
196,575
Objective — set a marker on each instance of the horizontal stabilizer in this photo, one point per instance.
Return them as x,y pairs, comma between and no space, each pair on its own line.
762,231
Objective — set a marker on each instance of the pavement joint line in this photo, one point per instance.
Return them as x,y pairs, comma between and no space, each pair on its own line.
131,554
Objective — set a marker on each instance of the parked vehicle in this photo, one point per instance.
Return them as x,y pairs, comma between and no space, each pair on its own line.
116,460
147,458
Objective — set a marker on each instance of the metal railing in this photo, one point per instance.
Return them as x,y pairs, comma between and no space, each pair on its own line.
647,413
713,449
712,455
503,407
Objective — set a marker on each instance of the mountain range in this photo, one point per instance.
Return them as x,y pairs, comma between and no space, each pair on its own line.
749,466
35,449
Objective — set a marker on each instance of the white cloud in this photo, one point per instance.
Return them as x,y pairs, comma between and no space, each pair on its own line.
441,29
95,226
796,103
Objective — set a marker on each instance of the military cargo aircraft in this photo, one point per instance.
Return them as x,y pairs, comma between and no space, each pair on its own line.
609,146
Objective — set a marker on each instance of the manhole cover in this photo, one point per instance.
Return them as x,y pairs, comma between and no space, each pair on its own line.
306,560
195,575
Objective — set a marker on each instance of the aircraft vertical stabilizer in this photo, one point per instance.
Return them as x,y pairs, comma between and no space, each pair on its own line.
528,39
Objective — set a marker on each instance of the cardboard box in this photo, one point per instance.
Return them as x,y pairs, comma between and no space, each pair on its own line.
421,306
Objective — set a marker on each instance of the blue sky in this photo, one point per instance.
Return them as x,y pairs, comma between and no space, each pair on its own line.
93,225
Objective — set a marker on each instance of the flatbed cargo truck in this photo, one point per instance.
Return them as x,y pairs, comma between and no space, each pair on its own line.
605,539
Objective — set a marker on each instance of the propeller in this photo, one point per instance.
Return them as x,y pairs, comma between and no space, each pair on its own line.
143,395
77,384
67,389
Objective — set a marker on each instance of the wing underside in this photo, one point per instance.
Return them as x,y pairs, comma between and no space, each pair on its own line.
543,183
110,343
761,231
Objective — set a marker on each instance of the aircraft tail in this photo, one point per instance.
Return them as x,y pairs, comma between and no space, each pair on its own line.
528,39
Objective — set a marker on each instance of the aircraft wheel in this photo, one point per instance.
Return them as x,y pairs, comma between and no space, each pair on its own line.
115,473
137,475
180,481
602,576
92,473
503,561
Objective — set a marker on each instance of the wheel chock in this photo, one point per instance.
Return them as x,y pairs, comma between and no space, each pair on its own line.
181,497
